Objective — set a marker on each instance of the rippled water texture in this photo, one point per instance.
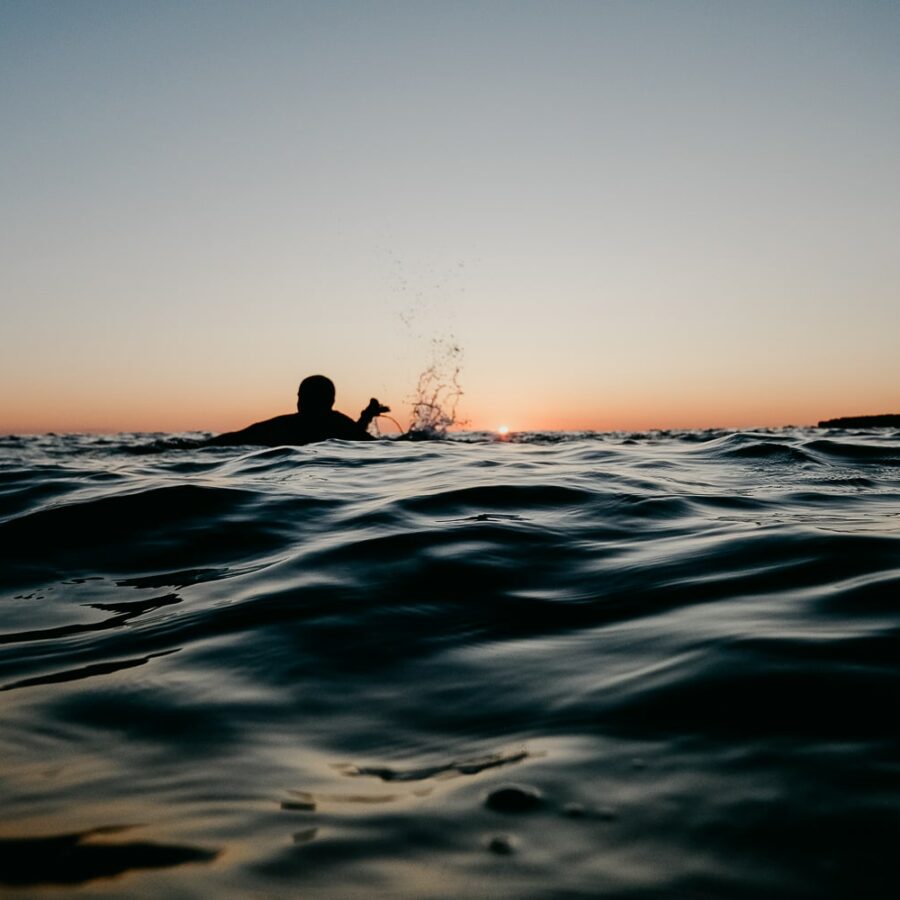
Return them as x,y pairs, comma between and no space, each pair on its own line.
626,666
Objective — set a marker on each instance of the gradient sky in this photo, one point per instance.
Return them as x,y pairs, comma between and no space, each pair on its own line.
625,214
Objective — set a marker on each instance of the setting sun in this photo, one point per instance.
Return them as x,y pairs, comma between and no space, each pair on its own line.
503,429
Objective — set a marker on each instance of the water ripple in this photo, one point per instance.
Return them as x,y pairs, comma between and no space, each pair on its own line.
684,644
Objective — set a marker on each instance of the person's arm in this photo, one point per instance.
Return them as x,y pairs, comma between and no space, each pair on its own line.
375,408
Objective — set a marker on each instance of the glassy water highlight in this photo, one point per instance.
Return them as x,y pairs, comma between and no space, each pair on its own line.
562,665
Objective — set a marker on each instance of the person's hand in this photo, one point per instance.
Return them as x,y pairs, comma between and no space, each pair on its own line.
375,408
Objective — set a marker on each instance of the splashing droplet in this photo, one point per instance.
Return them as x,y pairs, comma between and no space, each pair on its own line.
438,392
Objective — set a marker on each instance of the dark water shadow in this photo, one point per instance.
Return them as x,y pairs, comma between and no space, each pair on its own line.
126,611
447,770
89,671
76,859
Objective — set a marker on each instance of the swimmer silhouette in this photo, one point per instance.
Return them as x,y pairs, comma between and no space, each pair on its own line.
314,420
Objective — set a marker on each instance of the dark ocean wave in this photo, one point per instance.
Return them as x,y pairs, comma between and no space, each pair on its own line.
305,670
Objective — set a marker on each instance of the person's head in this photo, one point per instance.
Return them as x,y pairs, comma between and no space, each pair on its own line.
315,395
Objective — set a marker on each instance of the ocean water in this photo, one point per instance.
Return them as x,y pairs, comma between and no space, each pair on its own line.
558,666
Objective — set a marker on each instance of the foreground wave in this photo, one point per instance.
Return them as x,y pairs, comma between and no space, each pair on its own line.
561,665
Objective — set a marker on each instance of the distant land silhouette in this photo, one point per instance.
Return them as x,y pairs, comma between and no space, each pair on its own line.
888,420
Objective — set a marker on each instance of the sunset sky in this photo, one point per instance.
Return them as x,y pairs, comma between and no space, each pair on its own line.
624,214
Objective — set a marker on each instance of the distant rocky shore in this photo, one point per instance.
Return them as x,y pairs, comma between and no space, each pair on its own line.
889,420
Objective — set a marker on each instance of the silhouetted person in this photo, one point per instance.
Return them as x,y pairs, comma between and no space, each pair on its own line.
314,420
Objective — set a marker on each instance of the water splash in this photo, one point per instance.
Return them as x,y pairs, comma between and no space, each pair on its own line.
438,392
425,294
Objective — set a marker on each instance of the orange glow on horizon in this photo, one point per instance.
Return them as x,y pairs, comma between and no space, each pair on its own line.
151,417
188,402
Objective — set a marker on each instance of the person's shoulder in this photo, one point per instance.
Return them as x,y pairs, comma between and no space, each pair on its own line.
285,421
269,431
278,430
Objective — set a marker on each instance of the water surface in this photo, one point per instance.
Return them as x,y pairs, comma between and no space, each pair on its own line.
302,671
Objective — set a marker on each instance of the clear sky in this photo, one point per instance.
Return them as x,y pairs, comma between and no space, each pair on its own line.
625,214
